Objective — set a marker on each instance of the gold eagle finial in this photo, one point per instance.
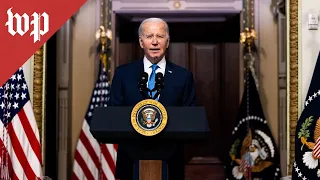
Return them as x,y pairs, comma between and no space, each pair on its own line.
103,36
247,37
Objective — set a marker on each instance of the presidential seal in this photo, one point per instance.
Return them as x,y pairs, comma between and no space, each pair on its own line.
149,117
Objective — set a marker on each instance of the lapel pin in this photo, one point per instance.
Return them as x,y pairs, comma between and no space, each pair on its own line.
169,71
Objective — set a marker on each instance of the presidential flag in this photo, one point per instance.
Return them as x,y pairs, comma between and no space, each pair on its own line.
20,156
253,152
307,138
93,160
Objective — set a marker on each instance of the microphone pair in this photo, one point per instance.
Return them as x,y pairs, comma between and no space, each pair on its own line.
158,82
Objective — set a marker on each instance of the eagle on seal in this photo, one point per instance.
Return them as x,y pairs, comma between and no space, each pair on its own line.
149,117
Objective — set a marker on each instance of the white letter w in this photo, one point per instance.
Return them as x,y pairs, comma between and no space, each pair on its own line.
19,30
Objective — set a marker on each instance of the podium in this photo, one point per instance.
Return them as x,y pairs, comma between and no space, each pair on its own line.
112,125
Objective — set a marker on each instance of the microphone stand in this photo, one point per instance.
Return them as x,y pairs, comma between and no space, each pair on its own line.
143,88
158,88
157,94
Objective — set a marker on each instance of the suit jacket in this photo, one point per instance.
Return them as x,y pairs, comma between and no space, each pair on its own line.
178,88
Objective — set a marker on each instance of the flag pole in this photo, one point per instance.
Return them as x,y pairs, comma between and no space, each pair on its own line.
248,37
104,36
102,65
102,49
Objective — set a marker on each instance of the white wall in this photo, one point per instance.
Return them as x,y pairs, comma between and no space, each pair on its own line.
309,42
28,73
83,63
268,47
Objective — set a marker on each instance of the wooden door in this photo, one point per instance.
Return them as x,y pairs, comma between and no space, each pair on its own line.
216,72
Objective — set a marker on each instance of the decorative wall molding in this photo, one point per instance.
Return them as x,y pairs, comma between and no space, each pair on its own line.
39,89
282,91
28,67
64,119
214,6
293,79
63,128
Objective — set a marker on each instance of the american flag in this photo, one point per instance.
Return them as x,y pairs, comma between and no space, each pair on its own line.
316,149
245,165
20,141
94,161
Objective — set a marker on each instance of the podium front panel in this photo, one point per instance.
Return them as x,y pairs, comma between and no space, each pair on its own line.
113,125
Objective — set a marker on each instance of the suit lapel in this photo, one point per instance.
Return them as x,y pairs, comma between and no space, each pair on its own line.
168,82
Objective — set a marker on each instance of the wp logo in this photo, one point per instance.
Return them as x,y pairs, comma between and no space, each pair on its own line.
22,24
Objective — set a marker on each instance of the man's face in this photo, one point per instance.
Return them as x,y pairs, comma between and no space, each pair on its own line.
154,40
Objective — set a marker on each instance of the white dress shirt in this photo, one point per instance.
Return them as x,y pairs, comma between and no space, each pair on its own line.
148,67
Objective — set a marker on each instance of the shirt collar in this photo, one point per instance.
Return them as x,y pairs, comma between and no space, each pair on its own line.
148,64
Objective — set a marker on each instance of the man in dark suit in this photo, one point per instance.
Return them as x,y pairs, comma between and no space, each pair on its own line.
178,88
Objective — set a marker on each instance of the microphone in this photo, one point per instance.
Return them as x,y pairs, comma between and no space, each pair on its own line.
159,81
143,83
159,84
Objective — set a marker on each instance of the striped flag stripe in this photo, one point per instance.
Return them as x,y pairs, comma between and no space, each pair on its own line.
22,136
74,176
77,172
22,158
106,154
30,134
88,147
316,152
102,157
93,142
32,121
83,166
113,153
316,149
6,159
102,175
108,174
87,158
19,172
109,152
